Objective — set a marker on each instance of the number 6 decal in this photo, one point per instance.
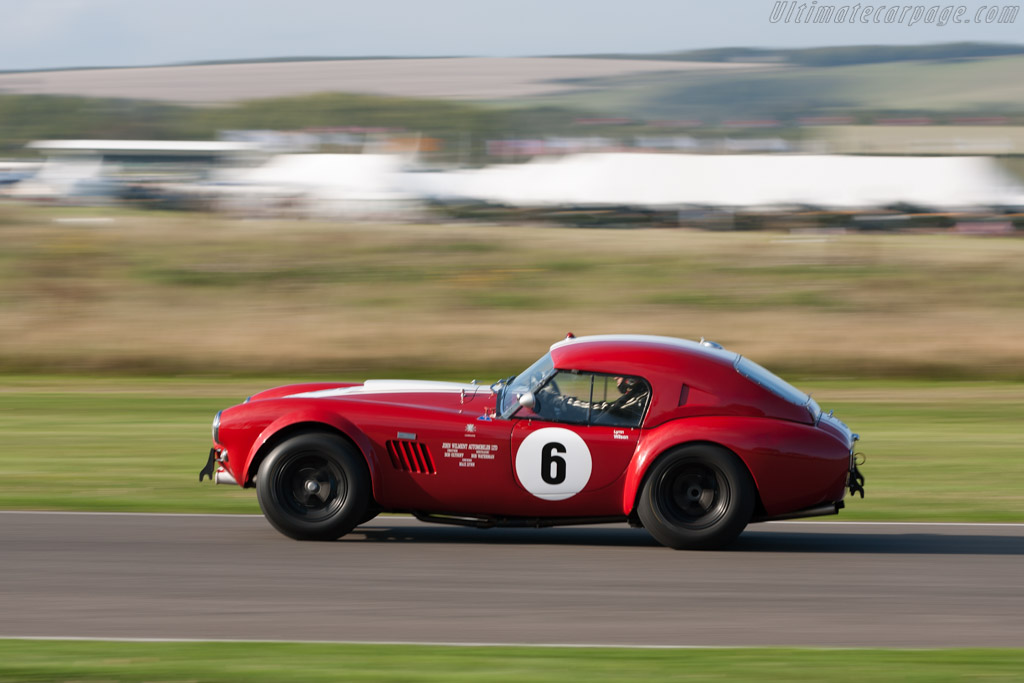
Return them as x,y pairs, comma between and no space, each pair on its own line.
553,463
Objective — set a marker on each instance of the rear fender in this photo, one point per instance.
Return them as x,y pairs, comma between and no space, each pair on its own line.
313,418
794,466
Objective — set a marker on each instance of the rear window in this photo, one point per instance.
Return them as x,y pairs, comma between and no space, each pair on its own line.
770,381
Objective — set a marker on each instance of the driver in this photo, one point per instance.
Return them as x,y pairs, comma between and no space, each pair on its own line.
626,411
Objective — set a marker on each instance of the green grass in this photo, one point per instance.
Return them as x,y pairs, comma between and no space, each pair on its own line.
935,451
209,662
134,445
938,451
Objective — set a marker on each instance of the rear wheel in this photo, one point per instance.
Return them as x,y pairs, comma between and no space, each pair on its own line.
314,487
697,497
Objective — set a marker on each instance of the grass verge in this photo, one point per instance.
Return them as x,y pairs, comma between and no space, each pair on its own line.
95,660
937,451
209,662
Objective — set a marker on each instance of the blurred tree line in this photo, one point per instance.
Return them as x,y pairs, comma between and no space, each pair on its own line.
462,127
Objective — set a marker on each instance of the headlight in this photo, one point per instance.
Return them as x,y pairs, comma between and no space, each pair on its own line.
216,426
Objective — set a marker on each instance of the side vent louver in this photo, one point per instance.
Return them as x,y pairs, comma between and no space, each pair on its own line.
411,456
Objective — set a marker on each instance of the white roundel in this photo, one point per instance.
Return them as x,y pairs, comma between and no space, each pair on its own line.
553,463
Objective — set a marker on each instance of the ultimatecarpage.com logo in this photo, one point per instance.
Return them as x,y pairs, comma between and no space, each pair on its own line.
795,12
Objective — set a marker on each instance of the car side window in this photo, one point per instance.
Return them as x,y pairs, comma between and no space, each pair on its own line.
593,399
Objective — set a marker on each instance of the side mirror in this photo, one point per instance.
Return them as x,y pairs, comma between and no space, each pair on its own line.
528,400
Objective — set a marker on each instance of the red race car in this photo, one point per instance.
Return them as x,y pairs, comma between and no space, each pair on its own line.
684,438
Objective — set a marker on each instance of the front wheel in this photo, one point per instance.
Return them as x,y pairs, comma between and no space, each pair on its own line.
314,487
697,497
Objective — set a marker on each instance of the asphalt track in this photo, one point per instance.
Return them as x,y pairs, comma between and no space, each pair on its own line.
396,580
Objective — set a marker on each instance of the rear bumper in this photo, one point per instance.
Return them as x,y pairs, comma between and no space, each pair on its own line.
855,480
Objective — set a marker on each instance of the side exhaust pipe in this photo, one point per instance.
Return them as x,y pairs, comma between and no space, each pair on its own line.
222,476
817,511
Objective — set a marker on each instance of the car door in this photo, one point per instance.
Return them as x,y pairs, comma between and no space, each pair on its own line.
571,447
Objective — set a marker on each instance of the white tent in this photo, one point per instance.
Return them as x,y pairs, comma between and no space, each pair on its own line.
61,178
729,181
319,184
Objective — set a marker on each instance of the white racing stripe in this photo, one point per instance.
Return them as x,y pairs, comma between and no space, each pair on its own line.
393,386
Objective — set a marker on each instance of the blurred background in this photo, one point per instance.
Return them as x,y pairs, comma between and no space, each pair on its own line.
444,192
205,198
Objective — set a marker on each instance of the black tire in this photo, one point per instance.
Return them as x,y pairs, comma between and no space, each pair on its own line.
314,487
697,497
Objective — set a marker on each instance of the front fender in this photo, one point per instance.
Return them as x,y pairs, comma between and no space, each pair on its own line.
794,465
313,417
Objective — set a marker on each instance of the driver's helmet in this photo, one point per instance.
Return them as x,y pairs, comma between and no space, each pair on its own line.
626,384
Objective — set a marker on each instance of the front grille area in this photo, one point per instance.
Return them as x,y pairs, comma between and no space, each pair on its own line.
411,456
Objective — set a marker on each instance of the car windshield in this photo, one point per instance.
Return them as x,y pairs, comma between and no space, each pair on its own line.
528,380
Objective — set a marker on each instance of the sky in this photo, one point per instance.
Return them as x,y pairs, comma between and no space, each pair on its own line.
44,34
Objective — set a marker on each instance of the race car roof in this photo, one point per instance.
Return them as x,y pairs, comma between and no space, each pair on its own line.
625,352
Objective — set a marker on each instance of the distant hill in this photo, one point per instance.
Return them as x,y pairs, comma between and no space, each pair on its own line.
464,102
833,56
943,82
456,78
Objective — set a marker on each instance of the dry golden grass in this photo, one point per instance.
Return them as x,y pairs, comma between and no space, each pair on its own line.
191,293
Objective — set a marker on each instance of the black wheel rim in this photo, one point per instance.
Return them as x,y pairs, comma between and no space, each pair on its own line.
310,486
693,494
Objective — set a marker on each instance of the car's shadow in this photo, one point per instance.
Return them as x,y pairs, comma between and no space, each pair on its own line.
753,540
604,536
